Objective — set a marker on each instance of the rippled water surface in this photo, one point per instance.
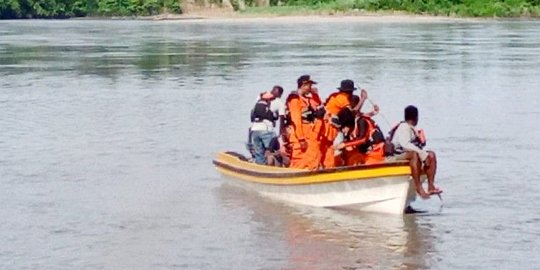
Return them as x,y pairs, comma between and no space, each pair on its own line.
108,129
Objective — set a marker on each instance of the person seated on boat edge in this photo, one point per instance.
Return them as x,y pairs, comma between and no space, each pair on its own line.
266,111
276,154
336,102
407,145
305,114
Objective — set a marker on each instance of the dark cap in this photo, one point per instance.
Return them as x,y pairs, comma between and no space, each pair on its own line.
277,89
411,113
305,79
346,118
347,86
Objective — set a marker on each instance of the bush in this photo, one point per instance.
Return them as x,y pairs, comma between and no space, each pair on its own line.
17,9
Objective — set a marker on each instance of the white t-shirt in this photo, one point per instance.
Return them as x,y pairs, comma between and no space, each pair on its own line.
403,137
278,109
338,140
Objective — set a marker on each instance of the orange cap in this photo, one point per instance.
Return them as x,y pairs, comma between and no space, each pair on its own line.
267,95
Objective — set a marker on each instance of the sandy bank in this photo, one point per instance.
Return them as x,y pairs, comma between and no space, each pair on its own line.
310,18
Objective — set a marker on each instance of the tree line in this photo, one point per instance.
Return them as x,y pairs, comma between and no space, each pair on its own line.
462,8
25,9
28,9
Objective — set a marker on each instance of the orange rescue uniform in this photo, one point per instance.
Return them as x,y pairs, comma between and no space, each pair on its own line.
334,104
304,129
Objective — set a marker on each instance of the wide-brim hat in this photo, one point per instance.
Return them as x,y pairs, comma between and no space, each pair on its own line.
347,86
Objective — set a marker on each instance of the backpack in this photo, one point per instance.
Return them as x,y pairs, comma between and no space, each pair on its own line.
261,111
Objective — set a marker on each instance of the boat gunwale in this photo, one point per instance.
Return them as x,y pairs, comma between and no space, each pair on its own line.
253,173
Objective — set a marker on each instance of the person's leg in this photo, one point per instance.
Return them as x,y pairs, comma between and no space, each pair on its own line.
286,161
353,157
258,144
249,144
431,170
416,170
328,157
270,160
266,138
313,152
298,157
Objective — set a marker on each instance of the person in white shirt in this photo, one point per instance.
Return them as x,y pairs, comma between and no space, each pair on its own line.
268,109
408,145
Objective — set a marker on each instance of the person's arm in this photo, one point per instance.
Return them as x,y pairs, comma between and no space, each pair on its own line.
338,143
363,98
362,135
372,113
281,118
404,135
355,142
281,125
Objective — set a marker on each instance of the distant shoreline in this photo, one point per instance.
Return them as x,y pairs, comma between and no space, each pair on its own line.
390,17
192,10
297,16
317,18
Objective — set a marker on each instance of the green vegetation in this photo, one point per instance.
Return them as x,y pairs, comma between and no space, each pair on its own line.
461,8
22,9
16,9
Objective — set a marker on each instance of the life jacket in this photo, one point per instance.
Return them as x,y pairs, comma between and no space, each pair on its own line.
261,111
335,94
419,139
331,96
365,126
309,112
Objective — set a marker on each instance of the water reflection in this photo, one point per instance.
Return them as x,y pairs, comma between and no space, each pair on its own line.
191,59
95,113
330,239
151,59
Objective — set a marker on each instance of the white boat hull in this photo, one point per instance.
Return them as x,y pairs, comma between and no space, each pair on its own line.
384,195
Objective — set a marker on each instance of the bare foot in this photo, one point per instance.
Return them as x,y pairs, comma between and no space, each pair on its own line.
423,194
434,191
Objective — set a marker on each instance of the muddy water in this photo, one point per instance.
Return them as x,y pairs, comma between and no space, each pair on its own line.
108,129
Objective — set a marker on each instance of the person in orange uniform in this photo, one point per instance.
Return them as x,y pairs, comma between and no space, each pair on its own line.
366,141
334,104
305,113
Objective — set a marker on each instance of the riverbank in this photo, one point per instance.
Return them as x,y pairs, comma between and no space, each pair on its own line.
175,10
389,17
326,13
340,9
301,15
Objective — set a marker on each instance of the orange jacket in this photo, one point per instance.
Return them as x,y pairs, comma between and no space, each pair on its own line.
297,106
336,102
304,128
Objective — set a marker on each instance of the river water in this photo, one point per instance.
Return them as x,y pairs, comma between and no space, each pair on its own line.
108,129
